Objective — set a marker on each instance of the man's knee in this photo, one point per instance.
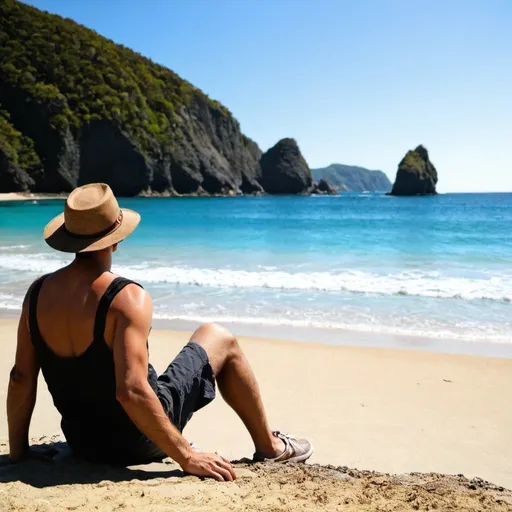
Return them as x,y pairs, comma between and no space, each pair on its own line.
215,334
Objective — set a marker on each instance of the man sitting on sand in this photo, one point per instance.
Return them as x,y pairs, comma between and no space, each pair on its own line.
87,329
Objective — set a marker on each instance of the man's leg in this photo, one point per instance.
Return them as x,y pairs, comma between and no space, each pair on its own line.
238,385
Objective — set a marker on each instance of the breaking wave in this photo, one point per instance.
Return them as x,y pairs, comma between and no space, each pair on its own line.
411,283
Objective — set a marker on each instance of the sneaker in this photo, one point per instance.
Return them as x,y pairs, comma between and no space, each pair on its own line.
295,450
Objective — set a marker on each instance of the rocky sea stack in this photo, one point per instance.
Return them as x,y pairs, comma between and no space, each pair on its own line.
77,108
284,170
323,187
416,175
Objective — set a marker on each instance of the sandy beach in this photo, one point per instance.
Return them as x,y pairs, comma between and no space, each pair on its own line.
389,411
28,196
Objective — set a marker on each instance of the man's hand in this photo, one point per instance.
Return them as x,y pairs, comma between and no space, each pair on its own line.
138,399
210,465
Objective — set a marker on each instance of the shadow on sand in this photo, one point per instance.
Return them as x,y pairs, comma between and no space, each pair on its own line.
54,464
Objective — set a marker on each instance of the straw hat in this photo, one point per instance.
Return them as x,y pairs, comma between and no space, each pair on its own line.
92,220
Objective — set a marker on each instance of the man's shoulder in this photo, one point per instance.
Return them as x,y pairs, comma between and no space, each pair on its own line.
34,283
126,281
131,297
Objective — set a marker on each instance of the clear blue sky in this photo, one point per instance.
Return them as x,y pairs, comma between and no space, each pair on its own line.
355,82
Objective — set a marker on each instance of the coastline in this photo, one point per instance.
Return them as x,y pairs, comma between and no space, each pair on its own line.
337,337
351,338
28,196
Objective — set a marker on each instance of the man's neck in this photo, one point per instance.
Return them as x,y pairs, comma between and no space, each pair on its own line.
92,266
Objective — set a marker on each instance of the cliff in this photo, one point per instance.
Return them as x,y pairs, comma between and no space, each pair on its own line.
354,178
77,108
19,163
416,174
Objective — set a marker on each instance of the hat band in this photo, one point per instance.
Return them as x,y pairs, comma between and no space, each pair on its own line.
99,234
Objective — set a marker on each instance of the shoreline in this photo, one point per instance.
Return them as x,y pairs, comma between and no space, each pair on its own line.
337,337
16,197
352,338
386,410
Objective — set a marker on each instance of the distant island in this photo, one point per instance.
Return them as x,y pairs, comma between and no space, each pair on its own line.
77,108
354,178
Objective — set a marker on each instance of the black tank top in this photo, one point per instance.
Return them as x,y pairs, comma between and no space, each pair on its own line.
83,388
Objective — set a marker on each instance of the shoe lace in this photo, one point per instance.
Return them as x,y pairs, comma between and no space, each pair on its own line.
281,435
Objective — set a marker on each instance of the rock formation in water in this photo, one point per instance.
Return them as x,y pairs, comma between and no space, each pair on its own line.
77,108
416,175
323,187
284,170
353,178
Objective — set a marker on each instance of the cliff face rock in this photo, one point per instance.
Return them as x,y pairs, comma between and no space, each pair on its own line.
49,137
353,178
19,165
107,154
284,170
323,187
213,154
12,178
89,110
416,174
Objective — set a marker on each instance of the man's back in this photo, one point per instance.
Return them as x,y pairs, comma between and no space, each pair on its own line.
66,310
72,319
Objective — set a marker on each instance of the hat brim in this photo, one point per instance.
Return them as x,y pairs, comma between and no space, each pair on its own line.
58,238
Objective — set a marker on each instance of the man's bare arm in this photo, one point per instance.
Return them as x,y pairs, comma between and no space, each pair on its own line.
133,321
21,396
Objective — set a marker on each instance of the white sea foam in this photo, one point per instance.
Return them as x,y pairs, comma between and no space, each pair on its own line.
10,302
30,262
412,283
461,331
428,328
470,333
405,283
200,306
13,247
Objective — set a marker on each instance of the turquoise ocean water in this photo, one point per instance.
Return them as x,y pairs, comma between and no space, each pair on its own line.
434,266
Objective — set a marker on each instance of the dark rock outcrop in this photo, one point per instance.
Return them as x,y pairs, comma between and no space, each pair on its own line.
212,153
284,170
40,119
12,177
353,178
20,166
416,175
107,154
323,187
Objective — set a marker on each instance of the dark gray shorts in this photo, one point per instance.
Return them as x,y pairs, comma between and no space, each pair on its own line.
186,386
